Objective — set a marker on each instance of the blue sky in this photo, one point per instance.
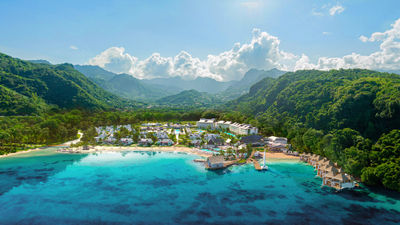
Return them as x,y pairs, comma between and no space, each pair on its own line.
77,31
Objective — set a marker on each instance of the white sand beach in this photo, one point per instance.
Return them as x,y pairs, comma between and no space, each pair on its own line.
188,150
195,151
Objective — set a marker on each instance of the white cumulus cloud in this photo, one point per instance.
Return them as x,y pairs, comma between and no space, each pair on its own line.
262,52
386,58
337,9
115,60
73,47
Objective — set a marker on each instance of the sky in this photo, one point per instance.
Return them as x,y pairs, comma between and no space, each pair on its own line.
221,39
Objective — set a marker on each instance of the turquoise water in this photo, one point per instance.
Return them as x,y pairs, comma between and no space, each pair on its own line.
177,131
230,134
208,150
169,188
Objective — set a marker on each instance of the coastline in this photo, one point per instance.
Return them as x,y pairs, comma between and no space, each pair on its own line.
194,151
279,155
95,149
21,152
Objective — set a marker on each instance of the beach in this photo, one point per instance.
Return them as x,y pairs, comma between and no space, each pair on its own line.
194,151
94,149
20,152
279,155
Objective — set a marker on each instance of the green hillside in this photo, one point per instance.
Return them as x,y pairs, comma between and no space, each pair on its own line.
124,85
242,86
189,98
13,103
95,72
58,85
339,114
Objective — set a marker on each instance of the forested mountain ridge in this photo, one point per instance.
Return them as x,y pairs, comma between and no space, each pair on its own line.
150,90
339,114
125,85
201,84
250,78
57,85
189,98
329,100
39,61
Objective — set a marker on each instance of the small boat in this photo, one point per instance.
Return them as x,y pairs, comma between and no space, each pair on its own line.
264,165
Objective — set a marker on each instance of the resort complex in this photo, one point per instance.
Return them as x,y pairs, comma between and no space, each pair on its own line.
207,135
224,143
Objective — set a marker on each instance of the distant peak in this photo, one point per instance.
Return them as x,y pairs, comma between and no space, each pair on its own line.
39,61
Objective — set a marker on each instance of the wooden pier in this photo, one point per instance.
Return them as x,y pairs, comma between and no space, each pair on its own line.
257,165
255,162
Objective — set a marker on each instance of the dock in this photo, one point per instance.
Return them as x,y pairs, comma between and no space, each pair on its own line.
199,160
256,164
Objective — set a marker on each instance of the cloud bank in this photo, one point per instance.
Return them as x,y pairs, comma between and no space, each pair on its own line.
262,52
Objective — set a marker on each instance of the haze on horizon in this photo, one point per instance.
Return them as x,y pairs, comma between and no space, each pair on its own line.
217,39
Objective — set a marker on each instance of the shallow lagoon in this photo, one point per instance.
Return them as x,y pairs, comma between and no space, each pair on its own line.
169,188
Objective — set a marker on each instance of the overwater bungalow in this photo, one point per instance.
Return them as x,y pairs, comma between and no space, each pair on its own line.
315,159
328,169
215,162
320,163
339,181
310,157
324,168
332,175
305,156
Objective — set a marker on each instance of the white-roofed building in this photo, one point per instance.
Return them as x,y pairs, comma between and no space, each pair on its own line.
237,128
274,139
243,129
223,124
206,123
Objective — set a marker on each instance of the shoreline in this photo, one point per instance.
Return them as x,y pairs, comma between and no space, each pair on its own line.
195,151
95,149
279,155
188,150
65,144
23,152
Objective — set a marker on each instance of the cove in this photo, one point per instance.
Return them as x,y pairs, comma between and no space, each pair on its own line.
169,188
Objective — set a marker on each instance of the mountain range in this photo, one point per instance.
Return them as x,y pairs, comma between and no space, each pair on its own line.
29,88
153,89
189,98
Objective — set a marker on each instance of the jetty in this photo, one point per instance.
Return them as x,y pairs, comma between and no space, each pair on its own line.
256,165
199,160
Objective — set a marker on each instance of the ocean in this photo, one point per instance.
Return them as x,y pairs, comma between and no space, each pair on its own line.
169,188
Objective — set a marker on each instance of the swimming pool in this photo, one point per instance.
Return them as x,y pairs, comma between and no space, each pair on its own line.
230,134
177,131
207,150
